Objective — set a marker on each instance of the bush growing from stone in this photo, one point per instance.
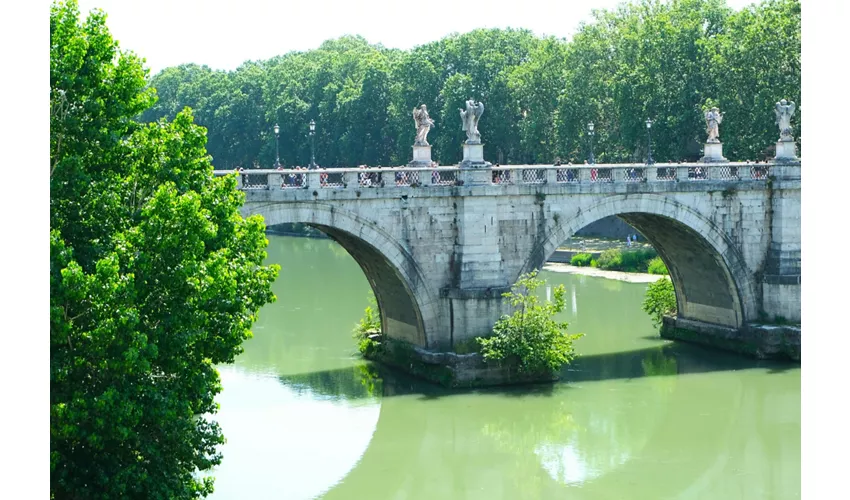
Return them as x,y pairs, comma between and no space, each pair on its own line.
530,339
660,300
369,325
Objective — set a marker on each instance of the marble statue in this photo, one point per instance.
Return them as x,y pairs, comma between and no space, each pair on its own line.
713,118
470,118
784,111
423,125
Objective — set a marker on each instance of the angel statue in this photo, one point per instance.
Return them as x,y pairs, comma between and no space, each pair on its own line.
784,111
470,118
713,118
423,125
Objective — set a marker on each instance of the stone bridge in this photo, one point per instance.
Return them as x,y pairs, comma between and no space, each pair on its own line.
440,245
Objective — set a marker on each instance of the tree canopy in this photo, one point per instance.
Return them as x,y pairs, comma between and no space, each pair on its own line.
154,278
665,60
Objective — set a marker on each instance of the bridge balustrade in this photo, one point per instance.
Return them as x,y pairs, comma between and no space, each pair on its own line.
350,178
444,177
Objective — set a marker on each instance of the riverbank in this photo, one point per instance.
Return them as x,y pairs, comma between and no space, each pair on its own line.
558,267
593,246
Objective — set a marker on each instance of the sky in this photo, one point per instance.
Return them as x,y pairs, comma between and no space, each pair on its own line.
223,35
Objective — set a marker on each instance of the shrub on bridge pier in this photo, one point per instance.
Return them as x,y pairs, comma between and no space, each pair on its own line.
530,340
368,330
660,300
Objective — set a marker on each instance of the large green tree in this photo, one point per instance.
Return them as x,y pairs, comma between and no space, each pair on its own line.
666,60
641,60
154,279
756,62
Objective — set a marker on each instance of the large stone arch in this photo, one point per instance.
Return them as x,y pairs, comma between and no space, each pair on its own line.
709,274
407,304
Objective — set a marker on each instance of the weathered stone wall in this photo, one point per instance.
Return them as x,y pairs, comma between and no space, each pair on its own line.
609,227
439,257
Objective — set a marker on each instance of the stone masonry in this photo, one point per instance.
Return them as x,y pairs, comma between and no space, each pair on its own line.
439,254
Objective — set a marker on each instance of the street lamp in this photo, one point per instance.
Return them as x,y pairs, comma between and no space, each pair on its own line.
276,146
649,160
590,132
312,144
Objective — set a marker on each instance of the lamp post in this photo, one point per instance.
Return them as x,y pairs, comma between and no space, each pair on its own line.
276,146
649,160
590,132
312,144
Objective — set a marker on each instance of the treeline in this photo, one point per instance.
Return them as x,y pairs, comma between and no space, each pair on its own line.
664,60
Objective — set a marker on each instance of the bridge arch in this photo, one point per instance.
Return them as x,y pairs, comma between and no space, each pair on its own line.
408,307
709,274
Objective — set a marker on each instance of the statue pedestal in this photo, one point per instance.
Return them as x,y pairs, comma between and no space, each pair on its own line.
421,156
713,153
474,170
786,150
473,156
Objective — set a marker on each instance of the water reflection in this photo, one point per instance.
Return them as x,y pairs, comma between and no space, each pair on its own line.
635,416
575,303
288,441
655,411
357,382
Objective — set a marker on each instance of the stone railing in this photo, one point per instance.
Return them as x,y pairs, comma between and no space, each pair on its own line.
348,178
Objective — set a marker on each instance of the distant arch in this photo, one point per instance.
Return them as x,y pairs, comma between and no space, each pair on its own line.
710,276
408,306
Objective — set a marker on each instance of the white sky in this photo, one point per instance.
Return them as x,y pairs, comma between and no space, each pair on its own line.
223,35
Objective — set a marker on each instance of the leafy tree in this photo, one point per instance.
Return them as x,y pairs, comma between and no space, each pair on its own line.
642,60
530,339
756,62
664,59
154,279
456,90
537,83
660,300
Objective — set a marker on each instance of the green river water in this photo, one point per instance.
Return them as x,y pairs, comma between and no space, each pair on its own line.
635,417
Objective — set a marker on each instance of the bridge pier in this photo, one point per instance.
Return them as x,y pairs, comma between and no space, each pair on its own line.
472,313
759,341
781,283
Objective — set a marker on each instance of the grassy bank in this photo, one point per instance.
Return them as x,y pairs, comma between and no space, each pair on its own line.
644,260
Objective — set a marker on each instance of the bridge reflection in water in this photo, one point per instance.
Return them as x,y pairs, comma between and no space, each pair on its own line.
652,434
636,416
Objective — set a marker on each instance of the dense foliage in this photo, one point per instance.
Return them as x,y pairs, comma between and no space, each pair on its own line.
367,328
154,279
530,339
581,259
665,60
656,266
630,261
660,300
